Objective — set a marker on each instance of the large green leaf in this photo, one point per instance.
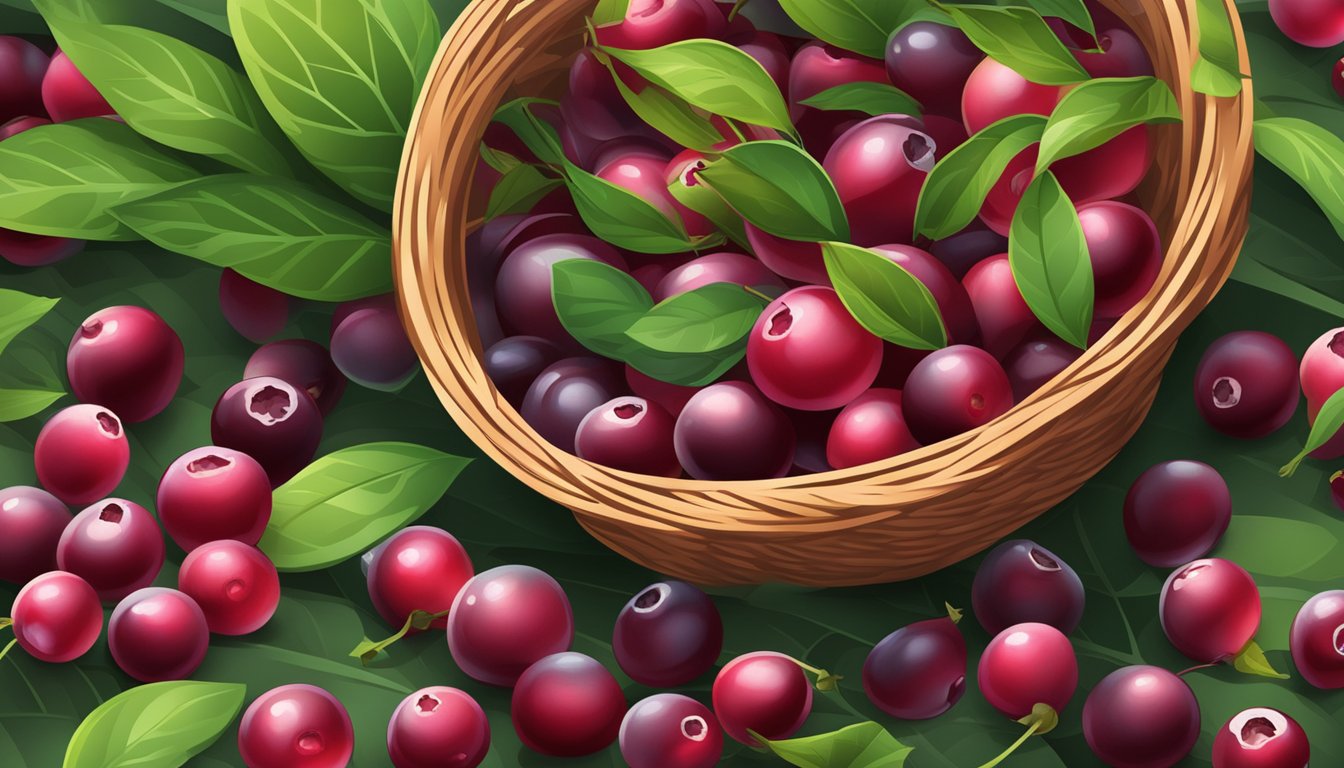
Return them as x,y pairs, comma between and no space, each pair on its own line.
779,188
862,26
1050,260
160,725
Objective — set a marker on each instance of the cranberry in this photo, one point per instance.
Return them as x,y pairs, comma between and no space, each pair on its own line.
1019,582
667,635
371,348
567,705
1210,610
235,585
878,167
668,730
57,617
523,290
771,53
514,363
255,311
954,303
24,64
1246,384
564,393
812,430
1176,512
730,431
1334,447
1322,369
1122,55
919,671
127,359
721,267
505,619
1337,78
1126,254
296,726
593,105
672,397
995,91
25,250
932,63
1037,361
792,259
1316,23
68,95
955,390
304,364
645,175
32,520
655,23
438,726
1026,665
947,133
629,434
419,568
1141,717
19,124
486,248
818,67
764,692
158,634
214,493
81,454
1317,640
1260,737
114,545
1003,315
869,429
272,421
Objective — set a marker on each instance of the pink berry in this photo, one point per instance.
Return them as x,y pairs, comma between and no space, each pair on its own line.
1317,640
819,67
371,348
1315,23
954,303
17,125
127,359
955,390
722,267
567,705
272,421
1246,384
24,64
419,568
68,95
771,53
878,167
158,634
645,175
932,63
1322,369
81,454
1037,361
1026,665
629,434
995,91
667,635
515,362
505,619
1126,254
1003,315
1176,512
235,585
304,364
565,393
792,259
296,726
57,617
438,726
765,692
1261,737
32,520
523,288
115,546
918,671
214,493
730,431
655,23
26,250
1019,582
255,311
1210,610
668,730
1141,717
871,428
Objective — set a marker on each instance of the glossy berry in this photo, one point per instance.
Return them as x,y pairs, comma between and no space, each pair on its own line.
304,364
730,431
1002,313
968,247
1141,717
567,705
655,23
115,546
158,634
721,267
57,617
438,726
1261,737
272,421
645,175
667,635
878,167
793,259
593,105
770,52
419,568
24,64
255,311
1126,254
672,397
630,434
68,95
1122,54
1210,610
1025,665
819,67
371,348
1176,512
214,493
1317,640
26,250
1246,384
932,62
81,454
1019,582
954,303
32,520
505,619
765,692
566,392
918,671
296,726
523,288
1037,361
995,91
235,585
812,430
668,730
514,363
1337,78
1322,369
126,359
1315,23
869,429
955,390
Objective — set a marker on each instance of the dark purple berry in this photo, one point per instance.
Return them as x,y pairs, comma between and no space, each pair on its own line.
304,364
1020,581
668,635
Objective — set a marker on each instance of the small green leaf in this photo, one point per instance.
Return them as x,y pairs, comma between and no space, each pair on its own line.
887,300
1252,661
1043,719
700,198
519,190
538,136
1313,156
16,404
779,188
670,115
609,12
706,319
597,303
1050,261
869,98
1018,38
1217,71
862,26
160,725
1099,110
1073,11
1329,420
866,745
347,501
499,160
623,218
18,312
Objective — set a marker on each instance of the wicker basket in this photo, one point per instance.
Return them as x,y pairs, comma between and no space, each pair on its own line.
899,519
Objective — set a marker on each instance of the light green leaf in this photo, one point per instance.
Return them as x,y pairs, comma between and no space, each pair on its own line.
18,312
519,190
609,12
160,725
866,745
1311,155
1252,661
1050,261
862,26
671,116
887,300
538,136
1329,420
705,201
499,160
16,404
1018,38
623,218
1217,71
1073,11
779,188
703,320
1099,110
869,98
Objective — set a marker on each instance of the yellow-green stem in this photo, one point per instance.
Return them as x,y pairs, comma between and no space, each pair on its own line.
1022,740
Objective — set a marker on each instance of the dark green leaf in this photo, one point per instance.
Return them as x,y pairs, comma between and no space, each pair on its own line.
705,201
623,218
866,745
869,98
1311,155
537,135
671,116
1050,261
16,404
706,319
519,190
345,502
779,188
18,312
1217,71
609,12
1073,11
683,369
160,725
1252,661
1099,110
1329,420
887,300
597,303
1018,38
862,26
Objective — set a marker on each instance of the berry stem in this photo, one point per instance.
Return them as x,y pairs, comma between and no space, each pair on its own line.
737,8
7,647
825,680
368,650
1197,667
757,294
1031,731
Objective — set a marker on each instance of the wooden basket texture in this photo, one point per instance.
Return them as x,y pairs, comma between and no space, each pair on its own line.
896,520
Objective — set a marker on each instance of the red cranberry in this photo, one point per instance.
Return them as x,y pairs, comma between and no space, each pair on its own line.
567,705
932,62
812,430
764,692
947,133
157,634
57,617
1110,171
1141,717
1337,78
819,67
1317,640
771,53
655,23
255,311
371,347
127,359
995,91
1126,254
1026,665
1176,512
955,390
1003,315
1322,369
629,434
1122,55
296,726
214,493
645,175
272,421
878,167
954,303
32,520
505,619
730,431
1315,23
81,454
593,105
564,393
19,124
1210,610
1019,582
523,290
649,276
68,95
486,249
792,259
115,545
723,267
672,397
917,672
667,635
235,585
1334,447
1037,361
26,250
514,363
438,726
24,64
419,568
1246,384
1261,737
668,730
871,428
304,364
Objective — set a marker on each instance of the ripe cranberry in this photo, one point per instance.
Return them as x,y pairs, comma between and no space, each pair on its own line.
667,635
304,364
1261,737
1026,665
771,53
1322,370
730,431
1122,55
26,250
32,520
505,619
812,430
514,363
1210,610
1337,78
954,303
523,290
593,105
1019,582
668,730
296,726
1317,640
878,167
764,692
1037,361
955,390
1141,716
235,585
438,726
419,568
486,249
127,359
792,259
649,276
629,434
947,133
1126,254
272,421
871,428
371,348
18,125
645,175
819,67
24,64
1246,384
672,397
68,95
114,545
723,267
1176,512
567,705
1334,447
919,671
158,634
214,493
255,311
1316,23
566,392
57,617
1003,315
655,23
995,91
932,63
81,454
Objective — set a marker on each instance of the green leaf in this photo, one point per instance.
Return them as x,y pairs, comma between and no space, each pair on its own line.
1099,110
212,13
705,201
160,725
1252,661
1329,420
862,26
706,319
670,115
779,188
277,232
685,369
597,303
347,501
1073,11
1018,38
887,300
341,78
499,160
1311,155
609,12
1050,262
519,190
623,218
957,186
869,98
18,312
866,745
16,404
537,135
1217,71
61,180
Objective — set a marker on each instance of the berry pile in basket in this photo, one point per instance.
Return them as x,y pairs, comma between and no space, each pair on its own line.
733,254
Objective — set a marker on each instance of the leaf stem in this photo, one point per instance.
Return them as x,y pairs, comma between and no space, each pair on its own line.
757,294
7,647
1197,667
368,650
737,8
1031,731
825,680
